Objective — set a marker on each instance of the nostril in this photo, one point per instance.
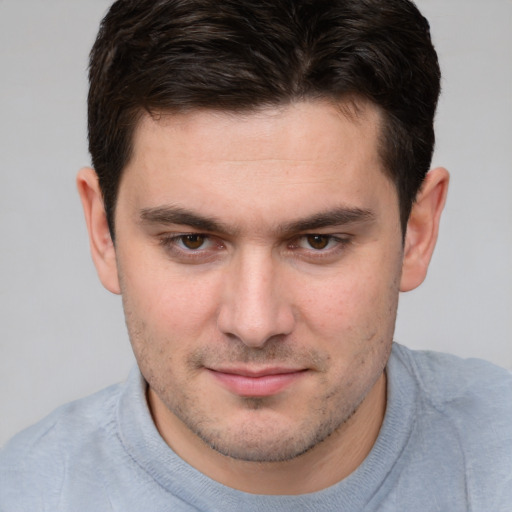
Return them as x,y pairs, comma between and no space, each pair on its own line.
253,327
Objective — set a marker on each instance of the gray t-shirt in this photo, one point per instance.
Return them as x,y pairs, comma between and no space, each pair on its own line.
445,445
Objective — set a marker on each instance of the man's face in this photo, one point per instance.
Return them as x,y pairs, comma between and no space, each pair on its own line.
259,258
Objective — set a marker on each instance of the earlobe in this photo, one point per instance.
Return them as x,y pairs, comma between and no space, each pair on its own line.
102,248
423,228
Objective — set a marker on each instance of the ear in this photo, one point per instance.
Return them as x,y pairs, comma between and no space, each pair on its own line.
102,248
423,227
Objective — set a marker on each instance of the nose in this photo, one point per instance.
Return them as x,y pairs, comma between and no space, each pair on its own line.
254,308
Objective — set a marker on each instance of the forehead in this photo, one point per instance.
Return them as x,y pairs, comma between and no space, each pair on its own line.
313,130
305,153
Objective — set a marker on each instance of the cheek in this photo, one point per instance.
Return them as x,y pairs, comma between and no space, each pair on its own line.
166,300
164,323
353,306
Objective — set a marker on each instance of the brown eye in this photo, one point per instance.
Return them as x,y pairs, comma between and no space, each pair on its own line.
318,242
193,241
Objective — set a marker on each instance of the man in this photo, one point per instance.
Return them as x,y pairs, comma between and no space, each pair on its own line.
260,195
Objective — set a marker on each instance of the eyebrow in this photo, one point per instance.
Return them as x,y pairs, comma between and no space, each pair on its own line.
340,216
177,215
335,217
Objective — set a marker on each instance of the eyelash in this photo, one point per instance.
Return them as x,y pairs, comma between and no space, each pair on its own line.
339,246
170,245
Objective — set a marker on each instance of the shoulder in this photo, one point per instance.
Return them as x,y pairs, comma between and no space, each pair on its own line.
38,457
63,429
470,400
451,382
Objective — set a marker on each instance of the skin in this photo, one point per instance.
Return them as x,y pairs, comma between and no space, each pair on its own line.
260,259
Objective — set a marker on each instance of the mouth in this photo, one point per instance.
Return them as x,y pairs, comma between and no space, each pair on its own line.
256,382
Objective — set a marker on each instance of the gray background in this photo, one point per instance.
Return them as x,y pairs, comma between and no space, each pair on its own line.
62,336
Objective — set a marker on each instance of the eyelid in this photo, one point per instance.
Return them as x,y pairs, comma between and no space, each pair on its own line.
214,245
331,239
170,244
338,238
338,245
173,238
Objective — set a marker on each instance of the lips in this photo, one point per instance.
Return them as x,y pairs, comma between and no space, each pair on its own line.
246,382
